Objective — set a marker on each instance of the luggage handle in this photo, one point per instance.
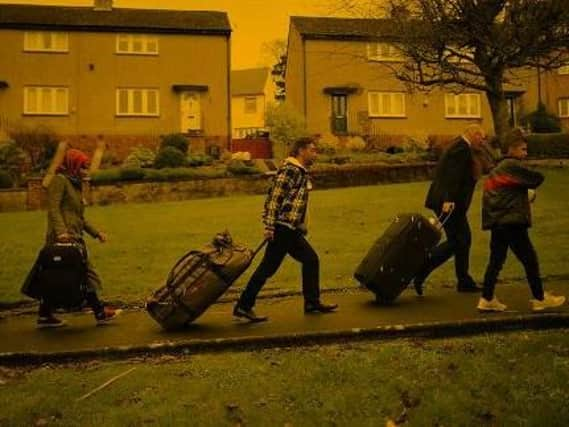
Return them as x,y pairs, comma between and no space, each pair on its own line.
261,246
446,217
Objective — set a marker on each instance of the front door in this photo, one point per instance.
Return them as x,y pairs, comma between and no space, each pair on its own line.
511,105
339,114
190,112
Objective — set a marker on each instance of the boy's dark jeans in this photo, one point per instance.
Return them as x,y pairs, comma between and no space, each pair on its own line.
515,237
46,310
293,243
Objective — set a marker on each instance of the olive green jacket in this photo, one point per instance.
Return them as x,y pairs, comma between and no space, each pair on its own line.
65,211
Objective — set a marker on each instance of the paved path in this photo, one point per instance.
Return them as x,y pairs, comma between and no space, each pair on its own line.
357,311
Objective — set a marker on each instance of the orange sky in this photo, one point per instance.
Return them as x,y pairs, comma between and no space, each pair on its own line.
253,21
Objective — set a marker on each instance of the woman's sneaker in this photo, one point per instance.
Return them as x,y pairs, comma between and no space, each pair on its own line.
50,322
493,305
549,301
107,315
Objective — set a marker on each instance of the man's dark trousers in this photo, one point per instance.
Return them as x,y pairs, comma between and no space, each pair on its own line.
515,237
291,242
458,243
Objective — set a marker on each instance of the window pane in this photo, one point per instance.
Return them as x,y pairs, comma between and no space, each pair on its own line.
137,43
398,104
373,104
386,101
123,101
46,101
137,101
32,100
47,41
462,105
152,45
152,102
122,43
474,104
61,101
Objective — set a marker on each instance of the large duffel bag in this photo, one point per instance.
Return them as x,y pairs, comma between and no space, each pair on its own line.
197,280
398,255
59,275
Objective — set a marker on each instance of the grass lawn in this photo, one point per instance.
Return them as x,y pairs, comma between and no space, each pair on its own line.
146,239
515,379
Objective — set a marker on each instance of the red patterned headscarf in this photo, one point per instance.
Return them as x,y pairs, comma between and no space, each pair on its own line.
73,162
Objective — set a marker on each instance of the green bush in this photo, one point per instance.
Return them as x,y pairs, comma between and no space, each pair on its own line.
169,157
12,161
5,179
541,121
39,143
199,160
131,174
548,145
175,140
239,167
140,157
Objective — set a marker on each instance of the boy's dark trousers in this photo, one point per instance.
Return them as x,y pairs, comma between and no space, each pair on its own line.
515,237
291,242
46,310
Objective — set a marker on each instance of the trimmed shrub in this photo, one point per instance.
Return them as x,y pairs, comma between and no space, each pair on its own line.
131,174
139,157
356,144
328,144
541,121
241,155
239,167
169,157
548,145
175,140
286,125
199,160
5,179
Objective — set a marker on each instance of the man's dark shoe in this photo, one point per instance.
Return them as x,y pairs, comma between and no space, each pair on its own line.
248,314
50,322
471,287
319,307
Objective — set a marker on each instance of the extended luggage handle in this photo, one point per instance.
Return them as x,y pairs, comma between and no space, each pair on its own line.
261,246
444,217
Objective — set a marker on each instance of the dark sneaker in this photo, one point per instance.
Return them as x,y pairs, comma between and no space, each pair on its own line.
50,322
248,314
319,307
107,315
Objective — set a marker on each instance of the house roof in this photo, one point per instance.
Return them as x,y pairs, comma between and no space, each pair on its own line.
344,28
115,20
251,81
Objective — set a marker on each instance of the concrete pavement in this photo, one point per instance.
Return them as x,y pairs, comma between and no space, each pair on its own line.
358,316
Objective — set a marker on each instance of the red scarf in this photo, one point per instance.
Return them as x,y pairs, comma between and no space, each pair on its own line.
73,162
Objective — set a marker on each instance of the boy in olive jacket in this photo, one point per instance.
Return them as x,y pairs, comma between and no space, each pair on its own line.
506,212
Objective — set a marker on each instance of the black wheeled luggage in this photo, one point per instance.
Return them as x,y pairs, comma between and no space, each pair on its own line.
397,256
198,280
59,275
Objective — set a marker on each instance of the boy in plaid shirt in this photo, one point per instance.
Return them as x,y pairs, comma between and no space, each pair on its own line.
285,218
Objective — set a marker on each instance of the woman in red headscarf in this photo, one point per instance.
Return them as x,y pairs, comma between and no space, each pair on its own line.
66,223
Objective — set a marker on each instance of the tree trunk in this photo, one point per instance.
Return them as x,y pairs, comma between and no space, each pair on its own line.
499,109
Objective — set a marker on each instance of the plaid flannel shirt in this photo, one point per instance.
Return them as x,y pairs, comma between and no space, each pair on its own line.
287,200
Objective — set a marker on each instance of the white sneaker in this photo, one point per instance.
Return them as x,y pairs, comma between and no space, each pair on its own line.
549,301
493,305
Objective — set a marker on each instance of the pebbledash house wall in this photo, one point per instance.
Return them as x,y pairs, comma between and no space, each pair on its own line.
93,71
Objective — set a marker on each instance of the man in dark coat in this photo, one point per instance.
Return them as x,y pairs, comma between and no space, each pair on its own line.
506,212
450,196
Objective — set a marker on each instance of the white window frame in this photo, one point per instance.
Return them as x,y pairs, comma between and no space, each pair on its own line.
380,113
29,41
250,98
30,110
470,101
563,101
145,39
450,52
563,71
374,53
130,101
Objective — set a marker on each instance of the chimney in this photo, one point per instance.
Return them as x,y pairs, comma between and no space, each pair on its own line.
103,5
